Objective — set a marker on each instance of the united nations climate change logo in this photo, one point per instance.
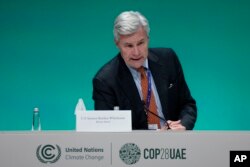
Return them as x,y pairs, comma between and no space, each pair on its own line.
130,153
48,153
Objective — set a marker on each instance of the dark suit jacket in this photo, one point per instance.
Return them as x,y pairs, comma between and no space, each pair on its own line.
113,85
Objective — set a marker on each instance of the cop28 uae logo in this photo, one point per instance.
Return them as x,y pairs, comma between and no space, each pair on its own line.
130,153
48,153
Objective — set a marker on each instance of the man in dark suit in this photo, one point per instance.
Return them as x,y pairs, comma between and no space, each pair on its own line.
119,82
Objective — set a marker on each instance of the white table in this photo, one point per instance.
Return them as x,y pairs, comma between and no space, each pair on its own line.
105,149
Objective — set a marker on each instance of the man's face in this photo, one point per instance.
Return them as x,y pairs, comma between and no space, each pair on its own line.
134,48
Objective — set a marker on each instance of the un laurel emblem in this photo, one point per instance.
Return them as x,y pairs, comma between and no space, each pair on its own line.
130,153
48,153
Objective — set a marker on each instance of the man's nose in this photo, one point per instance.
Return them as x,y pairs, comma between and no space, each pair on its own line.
136,51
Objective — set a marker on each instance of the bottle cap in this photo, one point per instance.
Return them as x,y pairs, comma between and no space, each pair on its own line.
36,109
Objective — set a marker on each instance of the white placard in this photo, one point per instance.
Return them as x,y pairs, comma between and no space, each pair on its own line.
104,121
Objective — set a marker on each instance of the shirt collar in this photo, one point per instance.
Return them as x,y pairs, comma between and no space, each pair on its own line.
134,72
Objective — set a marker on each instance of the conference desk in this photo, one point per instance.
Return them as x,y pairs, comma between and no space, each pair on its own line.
117,149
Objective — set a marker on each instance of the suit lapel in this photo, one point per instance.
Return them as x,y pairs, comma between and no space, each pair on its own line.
159,74
127,84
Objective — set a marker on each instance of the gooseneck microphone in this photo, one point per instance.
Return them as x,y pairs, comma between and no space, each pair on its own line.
148,111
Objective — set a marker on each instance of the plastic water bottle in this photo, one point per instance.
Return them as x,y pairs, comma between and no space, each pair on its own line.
36,124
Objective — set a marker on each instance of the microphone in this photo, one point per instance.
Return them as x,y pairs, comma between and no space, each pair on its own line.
148,111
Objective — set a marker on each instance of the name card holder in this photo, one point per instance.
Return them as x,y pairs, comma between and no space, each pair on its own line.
104,121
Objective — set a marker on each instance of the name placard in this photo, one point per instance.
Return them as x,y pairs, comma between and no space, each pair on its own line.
104,121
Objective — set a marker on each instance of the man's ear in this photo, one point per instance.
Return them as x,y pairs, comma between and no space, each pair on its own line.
116,43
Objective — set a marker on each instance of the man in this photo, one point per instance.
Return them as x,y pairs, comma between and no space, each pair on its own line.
147,81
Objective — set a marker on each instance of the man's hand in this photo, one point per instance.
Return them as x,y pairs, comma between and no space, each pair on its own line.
173,125
176,125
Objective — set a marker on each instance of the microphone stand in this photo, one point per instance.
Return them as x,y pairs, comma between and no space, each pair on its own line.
148,111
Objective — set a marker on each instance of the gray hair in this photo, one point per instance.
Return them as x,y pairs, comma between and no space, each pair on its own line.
128,23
